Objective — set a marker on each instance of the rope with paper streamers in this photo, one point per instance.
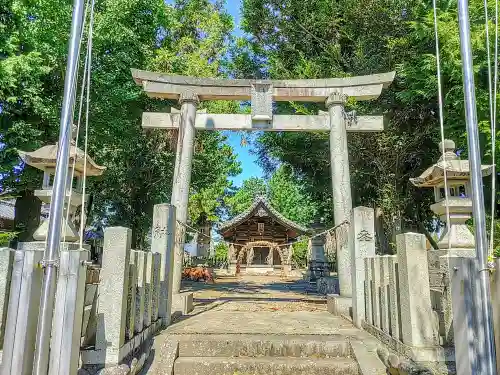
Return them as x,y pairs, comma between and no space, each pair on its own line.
308,238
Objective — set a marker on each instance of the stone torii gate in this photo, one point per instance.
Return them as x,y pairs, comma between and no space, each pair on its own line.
189,91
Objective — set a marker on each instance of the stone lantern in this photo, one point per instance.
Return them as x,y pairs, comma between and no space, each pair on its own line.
318,265
45,159
457,235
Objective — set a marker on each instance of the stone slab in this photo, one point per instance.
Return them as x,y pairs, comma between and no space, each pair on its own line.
339,305
368,361
182,303
264,322
166,352
249,345
264,366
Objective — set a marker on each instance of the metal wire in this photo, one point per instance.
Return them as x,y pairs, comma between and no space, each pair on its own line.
441,120
493,132
85,151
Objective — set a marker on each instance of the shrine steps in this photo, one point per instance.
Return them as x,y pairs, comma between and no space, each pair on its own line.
245,354
264,366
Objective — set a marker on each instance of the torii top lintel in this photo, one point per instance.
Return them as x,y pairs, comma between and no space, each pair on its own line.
166,86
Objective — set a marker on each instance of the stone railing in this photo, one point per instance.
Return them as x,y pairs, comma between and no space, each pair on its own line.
103,316
398,308
126,315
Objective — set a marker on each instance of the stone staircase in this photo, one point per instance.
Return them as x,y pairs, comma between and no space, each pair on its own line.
245,354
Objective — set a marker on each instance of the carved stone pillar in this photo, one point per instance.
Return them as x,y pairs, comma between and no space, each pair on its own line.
341,183
182,177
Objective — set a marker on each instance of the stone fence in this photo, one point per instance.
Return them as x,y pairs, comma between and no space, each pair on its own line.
103,317
126,315
398,308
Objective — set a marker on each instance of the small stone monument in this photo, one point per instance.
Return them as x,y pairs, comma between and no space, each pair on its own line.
45,159
457,235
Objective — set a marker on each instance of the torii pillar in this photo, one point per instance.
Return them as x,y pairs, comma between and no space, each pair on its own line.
341,184
182,179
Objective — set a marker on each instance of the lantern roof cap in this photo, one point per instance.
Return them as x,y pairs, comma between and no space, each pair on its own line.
456,169
45,158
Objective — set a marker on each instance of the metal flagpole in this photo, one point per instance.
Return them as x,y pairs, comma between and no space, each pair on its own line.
51,255
484,325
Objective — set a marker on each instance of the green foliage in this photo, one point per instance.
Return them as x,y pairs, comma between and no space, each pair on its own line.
288,196
245,195
299,256
320,39
221,251
190,37
6,237
283,191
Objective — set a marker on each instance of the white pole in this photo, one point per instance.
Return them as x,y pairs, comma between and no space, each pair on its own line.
51,255
485,349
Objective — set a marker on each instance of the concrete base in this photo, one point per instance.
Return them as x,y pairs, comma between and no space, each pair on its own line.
339,305
182,303
424,355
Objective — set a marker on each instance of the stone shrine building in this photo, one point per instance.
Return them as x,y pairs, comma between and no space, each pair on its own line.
260,239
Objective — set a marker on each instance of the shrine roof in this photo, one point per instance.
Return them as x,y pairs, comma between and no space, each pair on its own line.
259,204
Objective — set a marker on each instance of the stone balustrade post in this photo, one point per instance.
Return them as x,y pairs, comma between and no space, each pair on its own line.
375,266
113,293
362,235
23,307
341,184
384,294
463,286
163,241
495,303
148,301
68,312
417,318
131,300
156,286
6,259
395,316
140,297
368,290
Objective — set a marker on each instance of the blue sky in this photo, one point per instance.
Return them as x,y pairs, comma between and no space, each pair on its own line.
248,161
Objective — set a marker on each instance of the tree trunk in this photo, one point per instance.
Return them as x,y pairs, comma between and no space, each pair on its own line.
27,216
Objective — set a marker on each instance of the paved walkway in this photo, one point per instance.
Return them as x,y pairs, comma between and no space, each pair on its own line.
259,305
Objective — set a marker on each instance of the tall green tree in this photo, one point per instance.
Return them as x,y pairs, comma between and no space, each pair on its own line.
319,39
245,195
290,198
282,191
189,37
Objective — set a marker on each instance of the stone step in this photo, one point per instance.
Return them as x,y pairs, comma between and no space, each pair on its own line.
230,345
264,366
